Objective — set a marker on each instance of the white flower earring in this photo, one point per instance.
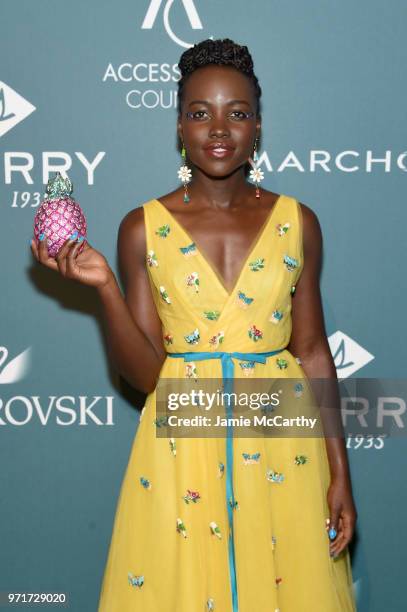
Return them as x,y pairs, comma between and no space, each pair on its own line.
256,174
184,174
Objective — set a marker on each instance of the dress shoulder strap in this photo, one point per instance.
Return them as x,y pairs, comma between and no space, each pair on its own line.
153,220
290,225
297,216
299,219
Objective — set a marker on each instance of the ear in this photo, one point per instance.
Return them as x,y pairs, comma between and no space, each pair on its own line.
258,126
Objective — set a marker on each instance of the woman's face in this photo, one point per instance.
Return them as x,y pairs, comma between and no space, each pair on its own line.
218,106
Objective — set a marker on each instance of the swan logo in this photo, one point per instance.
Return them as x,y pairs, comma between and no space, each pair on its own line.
65,410
190,10
16,368
347,354
13,108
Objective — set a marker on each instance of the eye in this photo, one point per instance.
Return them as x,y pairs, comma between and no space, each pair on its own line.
243,115
193,115
237,114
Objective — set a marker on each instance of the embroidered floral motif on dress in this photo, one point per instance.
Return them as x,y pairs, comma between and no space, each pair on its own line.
191,496
257,264
254,333
136,581
145,482
189,250
163,231
248,458
192,280
152,259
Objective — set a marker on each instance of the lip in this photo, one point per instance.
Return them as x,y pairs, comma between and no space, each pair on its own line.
219,150
219,145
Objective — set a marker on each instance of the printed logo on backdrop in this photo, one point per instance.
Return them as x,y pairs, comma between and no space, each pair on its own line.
156,95
13,108
190,10
20,165
348,355
65,410
16,368
151,86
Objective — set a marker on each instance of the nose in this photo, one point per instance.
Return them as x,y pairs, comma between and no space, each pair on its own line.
219,127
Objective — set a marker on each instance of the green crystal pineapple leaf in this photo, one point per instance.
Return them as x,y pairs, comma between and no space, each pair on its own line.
58,187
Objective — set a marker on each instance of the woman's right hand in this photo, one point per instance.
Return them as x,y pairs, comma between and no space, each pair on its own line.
88,267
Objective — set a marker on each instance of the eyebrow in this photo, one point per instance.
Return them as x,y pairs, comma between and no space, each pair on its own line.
209,104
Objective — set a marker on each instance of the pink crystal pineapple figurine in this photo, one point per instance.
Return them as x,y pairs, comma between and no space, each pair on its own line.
59,216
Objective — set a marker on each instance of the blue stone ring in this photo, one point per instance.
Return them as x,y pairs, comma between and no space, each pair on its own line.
332,533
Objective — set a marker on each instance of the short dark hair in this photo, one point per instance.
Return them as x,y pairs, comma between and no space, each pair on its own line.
224,52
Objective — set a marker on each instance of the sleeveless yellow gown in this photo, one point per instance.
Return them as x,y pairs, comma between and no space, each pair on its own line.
174,546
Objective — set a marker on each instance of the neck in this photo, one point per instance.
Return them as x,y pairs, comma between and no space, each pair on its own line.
222,192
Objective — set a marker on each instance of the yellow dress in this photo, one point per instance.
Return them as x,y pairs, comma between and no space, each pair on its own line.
178,543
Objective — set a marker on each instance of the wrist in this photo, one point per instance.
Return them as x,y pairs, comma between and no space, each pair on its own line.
108,284
340,476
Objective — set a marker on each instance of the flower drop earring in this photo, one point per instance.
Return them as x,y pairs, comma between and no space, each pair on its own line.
184,174
256,174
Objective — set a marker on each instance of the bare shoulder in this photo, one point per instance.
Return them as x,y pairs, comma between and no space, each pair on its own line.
311,226
173,200
132,231
131,236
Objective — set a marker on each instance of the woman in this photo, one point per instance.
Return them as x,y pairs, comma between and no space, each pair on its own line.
213,268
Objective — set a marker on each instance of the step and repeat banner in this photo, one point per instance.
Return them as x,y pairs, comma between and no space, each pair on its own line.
90,89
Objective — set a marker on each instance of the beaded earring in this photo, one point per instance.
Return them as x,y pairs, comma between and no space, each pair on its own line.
256,174
184,174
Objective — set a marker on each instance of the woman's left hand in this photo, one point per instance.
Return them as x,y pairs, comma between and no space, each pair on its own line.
343,514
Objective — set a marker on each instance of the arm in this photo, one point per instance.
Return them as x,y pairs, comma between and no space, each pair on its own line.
133,327
309,342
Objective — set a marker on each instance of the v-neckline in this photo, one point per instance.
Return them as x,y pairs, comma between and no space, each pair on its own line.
206,261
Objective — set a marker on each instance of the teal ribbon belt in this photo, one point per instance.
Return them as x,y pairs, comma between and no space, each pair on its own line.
228,371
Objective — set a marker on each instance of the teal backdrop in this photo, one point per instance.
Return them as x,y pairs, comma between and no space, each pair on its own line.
90,88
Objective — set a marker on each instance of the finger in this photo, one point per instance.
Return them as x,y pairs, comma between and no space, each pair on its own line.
42,248
340,525
43,255
339,546
339,533
333,524
344,536
61,257
348,526
72,267
334,544
33,248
